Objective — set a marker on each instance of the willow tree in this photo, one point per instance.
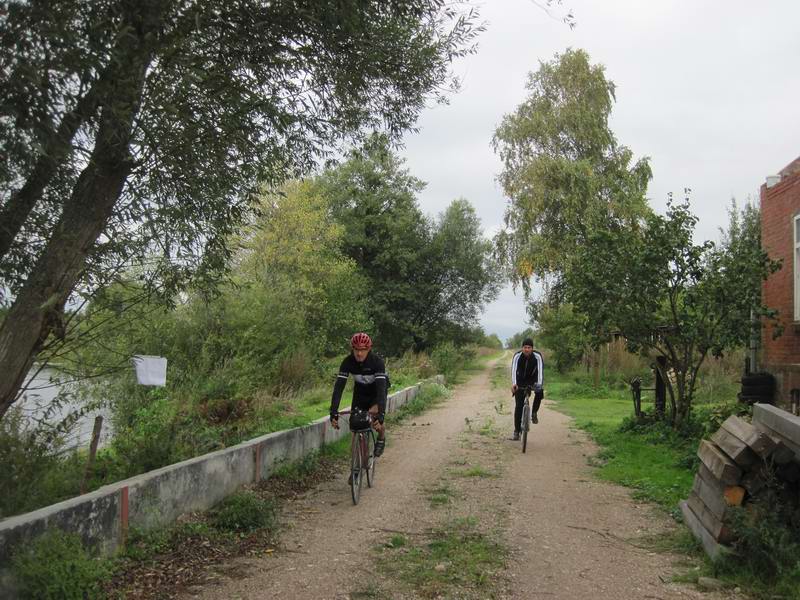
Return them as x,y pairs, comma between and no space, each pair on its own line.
139,129
564,171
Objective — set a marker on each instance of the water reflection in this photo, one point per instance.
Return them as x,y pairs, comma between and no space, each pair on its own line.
37,406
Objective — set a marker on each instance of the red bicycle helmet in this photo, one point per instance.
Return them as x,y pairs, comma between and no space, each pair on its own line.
360,340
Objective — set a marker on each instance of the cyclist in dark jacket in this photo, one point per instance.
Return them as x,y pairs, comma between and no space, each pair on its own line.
369,389
527,370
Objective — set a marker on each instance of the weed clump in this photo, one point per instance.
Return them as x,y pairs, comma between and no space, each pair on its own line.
245,511
766,555
57,566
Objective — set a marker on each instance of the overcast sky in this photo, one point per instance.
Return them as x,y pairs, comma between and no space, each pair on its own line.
708,89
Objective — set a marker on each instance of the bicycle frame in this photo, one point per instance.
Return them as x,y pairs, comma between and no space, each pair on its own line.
362,459
526,416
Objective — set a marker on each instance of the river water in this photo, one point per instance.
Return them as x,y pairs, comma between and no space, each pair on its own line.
38,398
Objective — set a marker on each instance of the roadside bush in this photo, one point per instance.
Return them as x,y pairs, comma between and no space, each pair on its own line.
409,368
245,511
707,418
28,457
148,441
767,549
447,360
57,566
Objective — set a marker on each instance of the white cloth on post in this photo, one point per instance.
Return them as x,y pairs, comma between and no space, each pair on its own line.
150,370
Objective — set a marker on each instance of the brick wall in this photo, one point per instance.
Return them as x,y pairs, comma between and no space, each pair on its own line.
779,204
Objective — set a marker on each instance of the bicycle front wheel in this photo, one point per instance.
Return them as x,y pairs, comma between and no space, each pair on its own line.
526,425
355,467
371,459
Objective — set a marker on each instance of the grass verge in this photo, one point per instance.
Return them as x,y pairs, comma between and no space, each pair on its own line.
659,464
656,463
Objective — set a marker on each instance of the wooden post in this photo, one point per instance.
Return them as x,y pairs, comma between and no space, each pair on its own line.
636,389
661,386
98,425
596,369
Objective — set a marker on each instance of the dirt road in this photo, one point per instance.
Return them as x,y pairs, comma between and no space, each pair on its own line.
536,525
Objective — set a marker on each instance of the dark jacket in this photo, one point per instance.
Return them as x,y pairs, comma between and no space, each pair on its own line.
370,383
527,370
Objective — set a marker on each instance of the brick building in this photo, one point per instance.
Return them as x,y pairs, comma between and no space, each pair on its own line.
780,237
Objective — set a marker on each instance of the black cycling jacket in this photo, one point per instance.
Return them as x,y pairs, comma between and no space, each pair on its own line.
370,383
527,370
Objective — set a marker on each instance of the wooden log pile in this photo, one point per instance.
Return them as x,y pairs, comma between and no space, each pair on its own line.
734,468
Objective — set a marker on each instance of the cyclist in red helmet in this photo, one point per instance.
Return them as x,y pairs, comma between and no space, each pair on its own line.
369,390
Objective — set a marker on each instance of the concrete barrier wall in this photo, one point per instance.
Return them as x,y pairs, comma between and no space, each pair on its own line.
156,498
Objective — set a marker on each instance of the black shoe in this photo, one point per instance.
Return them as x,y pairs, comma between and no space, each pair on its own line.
534,418
380,446
515,437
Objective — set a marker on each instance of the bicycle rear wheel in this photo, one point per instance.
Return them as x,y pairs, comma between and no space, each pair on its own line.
526,424
355,467
371,459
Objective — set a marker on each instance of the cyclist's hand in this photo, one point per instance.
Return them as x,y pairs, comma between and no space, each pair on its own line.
537,388
513,389
380,417
335,420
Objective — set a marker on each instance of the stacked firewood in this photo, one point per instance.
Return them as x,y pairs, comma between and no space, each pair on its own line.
735,467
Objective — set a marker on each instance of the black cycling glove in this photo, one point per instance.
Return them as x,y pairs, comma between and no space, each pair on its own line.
380,418
334,415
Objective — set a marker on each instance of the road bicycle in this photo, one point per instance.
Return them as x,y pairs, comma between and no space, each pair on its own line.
362,450
526,416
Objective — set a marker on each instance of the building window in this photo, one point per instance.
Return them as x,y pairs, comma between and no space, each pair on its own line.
796,230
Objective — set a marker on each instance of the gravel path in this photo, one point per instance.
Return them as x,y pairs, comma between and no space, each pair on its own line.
568,535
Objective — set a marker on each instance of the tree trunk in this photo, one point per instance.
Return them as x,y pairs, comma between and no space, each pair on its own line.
40,303
15,212
684,401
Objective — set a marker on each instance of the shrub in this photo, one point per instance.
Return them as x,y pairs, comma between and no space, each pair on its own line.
293,370
447,359
768,542
148,441
27,455
245,511
57,566
708,418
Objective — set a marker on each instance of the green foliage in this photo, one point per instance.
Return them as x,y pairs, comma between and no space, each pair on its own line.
702,308
428,395
56,566
457,556
244,511
458,275
425,279
34,470
768,544
563,169
562,332
515,341
707,418
23,455
476,471
492,341
448,360
651,458
441,495
148,440
208,103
